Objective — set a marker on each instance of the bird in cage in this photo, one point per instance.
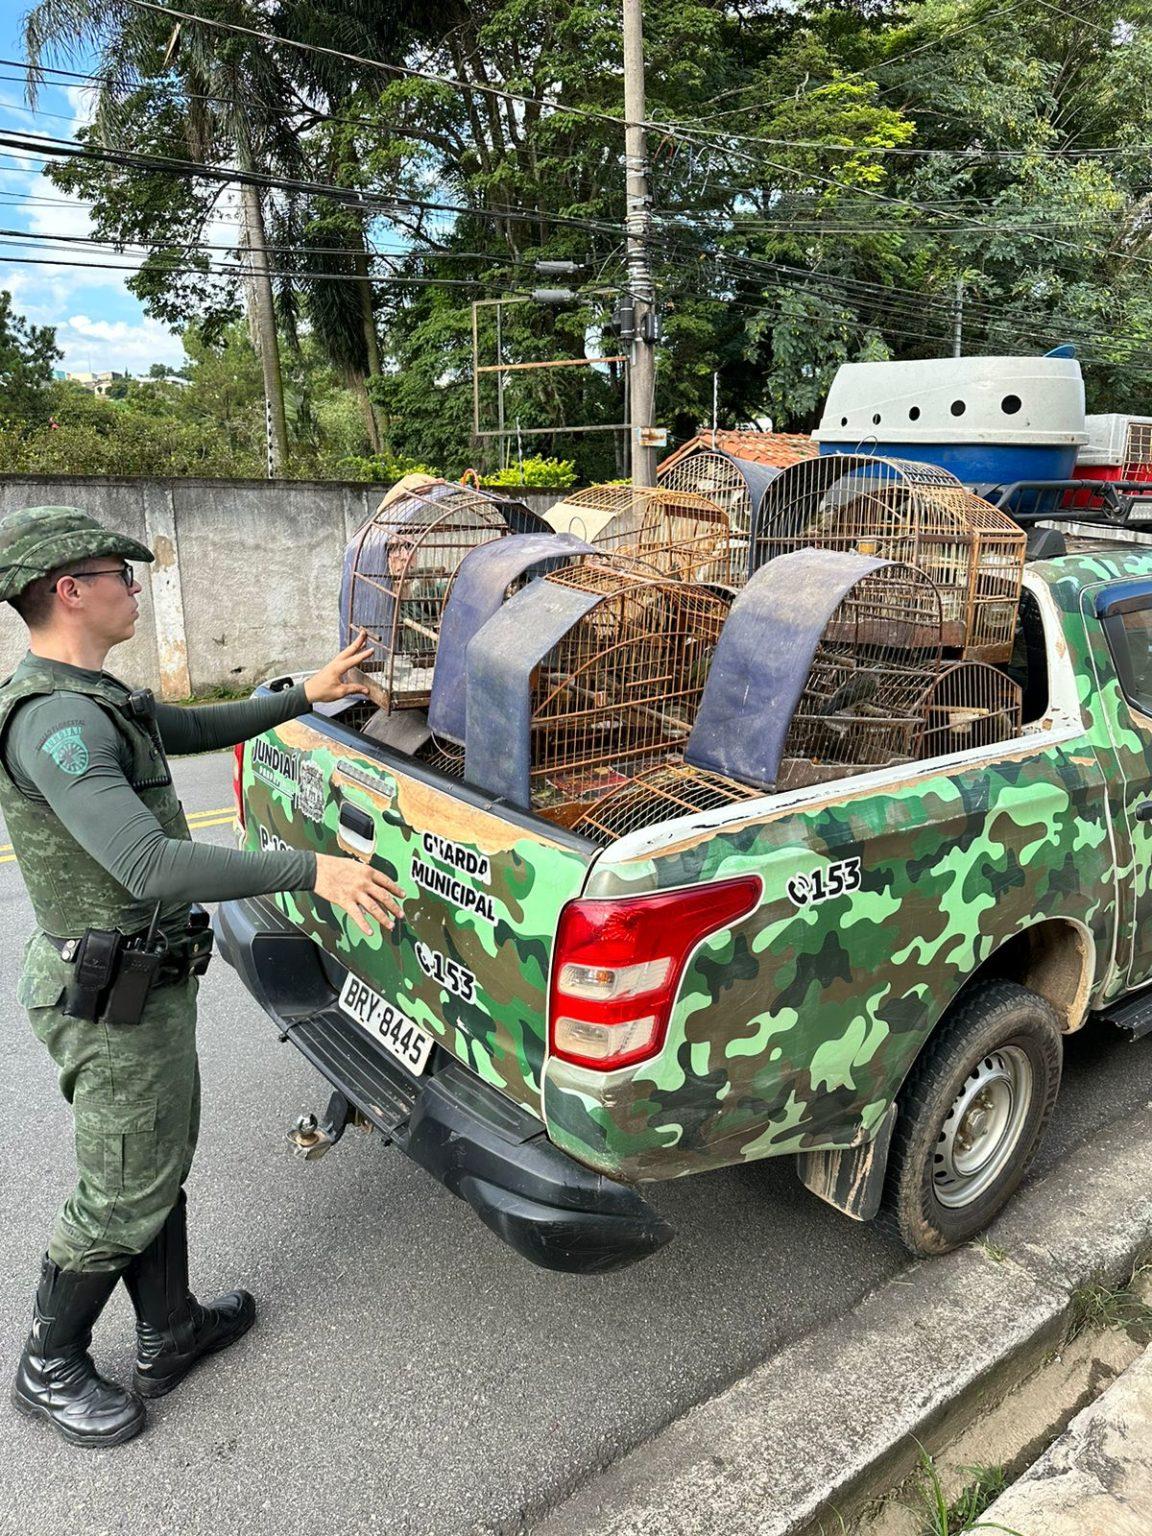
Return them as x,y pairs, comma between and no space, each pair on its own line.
398,570
582,679
910,512
812,679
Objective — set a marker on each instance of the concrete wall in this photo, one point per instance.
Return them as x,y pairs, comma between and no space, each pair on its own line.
247,574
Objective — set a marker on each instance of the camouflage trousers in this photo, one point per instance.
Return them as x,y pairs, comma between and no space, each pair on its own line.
135,1097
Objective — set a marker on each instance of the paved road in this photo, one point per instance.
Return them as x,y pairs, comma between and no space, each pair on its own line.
408,1374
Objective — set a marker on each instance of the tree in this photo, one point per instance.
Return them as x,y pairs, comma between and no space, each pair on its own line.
828,172
231,97
27,353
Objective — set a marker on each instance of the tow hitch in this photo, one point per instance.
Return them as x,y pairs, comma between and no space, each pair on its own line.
310,1138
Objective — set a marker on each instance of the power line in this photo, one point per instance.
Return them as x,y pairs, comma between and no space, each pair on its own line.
47,149
971,153
914,300
235,269
400,70
272,247
1130,365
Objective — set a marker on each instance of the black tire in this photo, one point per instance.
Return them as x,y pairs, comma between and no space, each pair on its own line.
999,1046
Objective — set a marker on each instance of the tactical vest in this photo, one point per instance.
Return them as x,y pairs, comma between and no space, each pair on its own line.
70,891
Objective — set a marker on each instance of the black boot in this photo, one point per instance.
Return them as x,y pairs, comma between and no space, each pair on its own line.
56,1379
173,1330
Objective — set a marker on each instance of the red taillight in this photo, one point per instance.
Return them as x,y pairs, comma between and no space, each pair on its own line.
238,781
618,964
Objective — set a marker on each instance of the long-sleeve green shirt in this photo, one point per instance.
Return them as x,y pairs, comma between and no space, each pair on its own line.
103,813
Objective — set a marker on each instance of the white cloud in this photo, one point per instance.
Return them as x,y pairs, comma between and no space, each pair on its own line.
99,324
124,345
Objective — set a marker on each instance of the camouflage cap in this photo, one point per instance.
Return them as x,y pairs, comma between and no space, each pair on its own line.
36,540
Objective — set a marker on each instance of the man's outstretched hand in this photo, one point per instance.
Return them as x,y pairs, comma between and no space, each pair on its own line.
359,890
328,685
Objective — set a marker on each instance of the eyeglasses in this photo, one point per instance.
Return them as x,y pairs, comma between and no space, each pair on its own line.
126,573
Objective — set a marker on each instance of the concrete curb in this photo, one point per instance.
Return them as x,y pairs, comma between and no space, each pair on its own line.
1096,1477
812,1431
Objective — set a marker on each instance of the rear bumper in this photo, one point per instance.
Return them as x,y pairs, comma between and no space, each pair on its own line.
485,1149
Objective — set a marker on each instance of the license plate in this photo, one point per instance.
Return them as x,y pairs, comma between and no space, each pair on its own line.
384,1022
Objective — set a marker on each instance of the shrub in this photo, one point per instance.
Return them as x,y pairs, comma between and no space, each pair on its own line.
547,474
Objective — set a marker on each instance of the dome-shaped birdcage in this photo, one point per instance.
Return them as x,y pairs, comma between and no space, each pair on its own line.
584,678
969,704
736,486
911,512
397,572
672,533
659,794
864,702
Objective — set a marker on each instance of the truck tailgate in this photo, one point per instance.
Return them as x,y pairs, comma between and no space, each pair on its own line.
484,886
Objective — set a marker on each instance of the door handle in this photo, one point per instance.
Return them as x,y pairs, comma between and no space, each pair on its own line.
1143,811
361,825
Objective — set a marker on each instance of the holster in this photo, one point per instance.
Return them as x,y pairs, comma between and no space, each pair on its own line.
200,939
113,974
93,969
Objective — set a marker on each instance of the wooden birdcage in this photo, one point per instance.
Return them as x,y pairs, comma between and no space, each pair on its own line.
671,533
583,679
915,513
970,704
659,794
397,571
864,703
734,485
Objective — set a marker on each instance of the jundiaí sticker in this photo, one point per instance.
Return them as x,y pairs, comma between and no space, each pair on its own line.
276,765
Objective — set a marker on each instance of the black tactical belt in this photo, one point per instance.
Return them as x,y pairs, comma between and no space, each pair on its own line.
175,966
114,972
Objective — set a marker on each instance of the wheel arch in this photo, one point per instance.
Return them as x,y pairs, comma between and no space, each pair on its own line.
1054,957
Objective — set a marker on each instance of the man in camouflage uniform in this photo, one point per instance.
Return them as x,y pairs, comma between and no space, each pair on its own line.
103,845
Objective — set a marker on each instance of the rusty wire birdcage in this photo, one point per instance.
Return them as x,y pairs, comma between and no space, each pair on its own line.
584,678
864,702
911,512
659,794
672,533
397,571
970,704
736,486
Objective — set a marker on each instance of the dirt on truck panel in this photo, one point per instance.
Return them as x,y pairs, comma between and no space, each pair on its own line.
469,961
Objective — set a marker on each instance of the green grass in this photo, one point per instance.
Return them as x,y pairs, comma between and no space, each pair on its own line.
219,693
964,1511
1116,1306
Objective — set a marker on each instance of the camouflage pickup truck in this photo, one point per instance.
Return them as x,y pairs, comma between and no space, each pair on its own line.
871,976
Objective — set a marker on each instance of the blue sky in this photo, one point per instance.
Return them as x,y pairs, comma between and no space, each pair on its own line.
99,324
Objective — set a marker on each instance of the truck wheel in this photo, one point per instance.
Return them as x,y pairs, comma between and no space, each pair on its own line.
971,1116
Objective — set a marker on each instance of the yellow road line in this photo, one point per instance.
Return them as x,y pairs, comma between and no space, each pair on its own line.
220,810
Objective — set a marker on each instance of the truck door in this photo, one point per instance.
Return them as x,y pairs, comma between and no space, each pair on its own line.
1124,609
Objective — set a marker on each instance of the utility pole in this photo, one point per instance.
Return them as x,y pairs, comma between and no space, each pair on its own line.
958,319
642,367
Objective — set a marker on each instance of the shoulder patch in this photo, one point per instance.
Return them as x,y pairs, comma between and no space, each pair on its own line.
67,749
57,729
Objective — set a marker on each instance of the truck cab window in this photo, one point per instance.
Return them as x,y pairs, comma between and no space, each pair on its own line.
1129,629
1029,664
